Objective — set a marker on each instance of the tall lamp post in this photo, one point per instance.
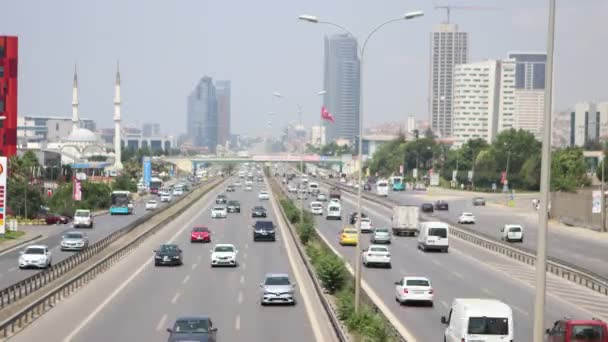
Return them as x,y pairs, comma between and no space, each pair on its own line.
315,20
545,177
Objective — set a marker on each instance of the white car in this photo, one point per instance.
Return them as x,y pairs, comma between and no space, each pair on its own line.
366,225
377,255
224,255
35,256
237,183
219,212
264,195
151,205
248,188
316,208
249,182
414,289
166,197
321,197
292,188
178,192
467,218
512,232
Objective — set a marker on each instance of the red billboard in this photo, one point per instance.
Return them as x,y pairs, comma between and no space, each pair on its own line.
8,95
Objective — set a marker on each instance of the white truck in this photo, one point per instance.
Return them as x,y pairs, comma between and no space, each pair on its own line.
405,220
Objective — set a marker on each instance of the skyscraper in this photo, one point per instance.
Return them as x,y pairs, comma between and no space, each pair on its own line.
529,69
529,91
449,47
342,85
202,122
8,95
222,91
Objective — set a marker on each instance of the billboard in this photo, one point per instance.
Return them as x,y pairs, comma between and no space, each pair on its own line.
596,204
147,164
3,172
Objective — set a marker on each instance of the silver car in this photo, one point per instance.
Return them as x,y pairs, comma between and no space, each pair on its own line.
74,241
381,235
277,289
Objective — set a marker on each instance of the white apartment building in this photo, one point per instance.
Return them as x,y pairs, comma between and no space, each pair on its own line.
483,100
317,135
529,107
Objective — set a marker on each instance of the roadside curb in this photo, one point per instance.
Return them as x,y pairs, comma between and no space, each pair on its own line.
16,246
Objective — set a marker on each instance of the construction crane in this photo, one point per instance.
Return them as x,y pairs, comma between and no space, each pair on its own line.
449,8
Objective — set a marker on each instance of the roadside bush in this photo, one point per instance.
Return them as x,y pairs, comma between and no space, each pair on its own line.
306,231
293,214
124,182
346,303
332,272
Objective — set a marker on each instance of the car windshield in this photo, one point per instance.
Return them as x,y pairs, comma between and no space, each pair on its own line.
73,236
378,249
263,193
34,250
350,231
191,326
233,203
439,232
151,202
258,208
277,281
417,282
488,326
264,224
587,332
82,214
168,248
218,208
515,229
200,229
316,205
381,230
467,214
224,249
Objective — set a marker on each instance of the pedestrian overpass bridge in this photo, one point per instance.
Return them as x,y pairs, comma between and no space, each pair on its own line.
189,163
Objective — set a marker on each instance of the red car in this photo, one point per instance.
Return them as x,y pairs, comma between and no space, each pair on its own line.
55,219
200,234
567,330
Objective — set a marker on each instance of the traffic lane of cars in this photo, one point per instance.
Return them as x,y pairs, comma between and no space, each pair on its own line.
453,275
230,296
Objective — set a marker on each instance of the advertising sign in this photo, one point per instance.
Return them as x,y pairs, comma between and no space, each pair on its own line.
401,169
147,163
596,204
454,174
415,173
77,190
3,172
435,179
470,176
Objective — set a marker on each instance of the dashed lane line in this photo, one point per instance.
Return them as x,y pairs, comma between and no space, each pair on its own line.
185,279
242,280
237,323
161,323
194,265
240,297
175,298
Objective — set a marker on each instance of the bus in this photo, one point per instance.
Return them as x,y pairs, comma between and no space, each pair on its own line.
382,187
122,203
397,182
155,185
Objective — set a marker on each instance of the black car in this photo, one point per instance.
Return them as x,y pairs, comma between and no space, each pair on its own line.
221,199
168,254
234,206
230,188
258,211
353,217
426,207
367,187
441,205
264,230
479,201
195,329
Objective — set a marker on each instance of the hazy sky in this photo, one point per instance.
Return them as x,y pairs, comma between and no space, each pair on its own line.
165,47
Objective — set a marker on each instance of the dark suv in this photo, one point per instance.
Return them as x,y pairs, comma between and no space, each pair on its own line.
230,188
426,207
264,230
221,199
441,205
258,211
234,206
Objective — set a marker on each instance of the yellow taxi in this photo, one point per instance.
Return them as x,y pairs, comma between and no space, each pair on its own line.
348,236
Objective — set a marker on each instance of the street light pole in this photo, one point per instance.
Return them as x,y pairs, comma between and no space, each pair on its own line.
545,183
313,19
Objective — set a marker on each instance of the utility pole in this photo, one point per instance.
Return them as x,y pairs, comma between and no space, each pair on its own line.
603,223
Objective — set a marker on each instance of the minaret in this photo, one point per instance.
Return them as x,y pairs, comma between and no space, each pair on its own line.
75,117
117,150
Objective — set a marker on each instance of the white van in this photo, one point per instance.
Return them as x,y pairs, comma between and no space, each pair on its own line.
473,319
334,211
313,188
382,188
512,232
433,235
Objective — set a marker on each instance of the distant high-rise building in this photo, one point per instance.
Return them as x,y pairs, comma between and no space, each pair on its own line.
588,122
151,129
411,124
8,95
317,135
202,119
449,47
530,69
529,108
222,91
342,85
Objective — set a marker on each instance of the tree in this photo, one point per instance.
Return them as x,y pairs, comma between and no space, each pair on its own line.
568,169
485,169
530,172
514,147
124,182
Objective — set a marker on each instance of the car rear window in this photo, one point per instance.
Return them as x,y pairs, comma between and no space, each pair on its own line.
224,249
439,232
73,236
587,332
515,229
417,282
191,326
200,229
488,326
264,224
34,250
277,281
381,230
378,249
350,231
82,213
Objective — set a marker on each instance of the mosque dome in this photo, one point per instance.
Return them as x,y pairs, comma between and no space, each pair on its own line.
82,135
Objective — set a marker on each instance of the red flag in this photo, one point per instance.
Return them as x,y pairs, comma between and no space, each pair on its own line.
326,116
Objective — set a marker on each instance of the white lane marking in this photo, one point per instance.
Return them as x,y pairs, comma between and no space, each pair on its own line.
244,255
199,258
240,297
520,310
486,291
161,323
436,262
457,274
244,266
122,286
242,280
246,245
12,269
194,265
186,279
174,299
444,303
237,324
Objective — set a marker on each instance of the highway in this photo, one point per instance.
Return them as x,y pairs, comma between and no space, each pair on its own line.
136,301
103,226
466,271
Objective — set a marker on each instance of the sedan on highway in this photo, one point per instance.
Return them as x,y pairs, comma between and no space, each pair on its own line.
264,230
316,208
258,211
466,218
35,256
200,234
377,255
277,289
441,205
230,188
219,211
348,236
321,197
193,328
479,201
168,254
248,187
292,188
381,235
414,289
426,207
221,199
151,205
264,195
74,241
224,255
234,206
52,218
366,225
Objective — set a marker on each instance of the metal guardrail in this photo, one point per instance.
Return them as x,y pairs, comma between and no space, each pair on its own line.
41,305
555,266
335,322
27,286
